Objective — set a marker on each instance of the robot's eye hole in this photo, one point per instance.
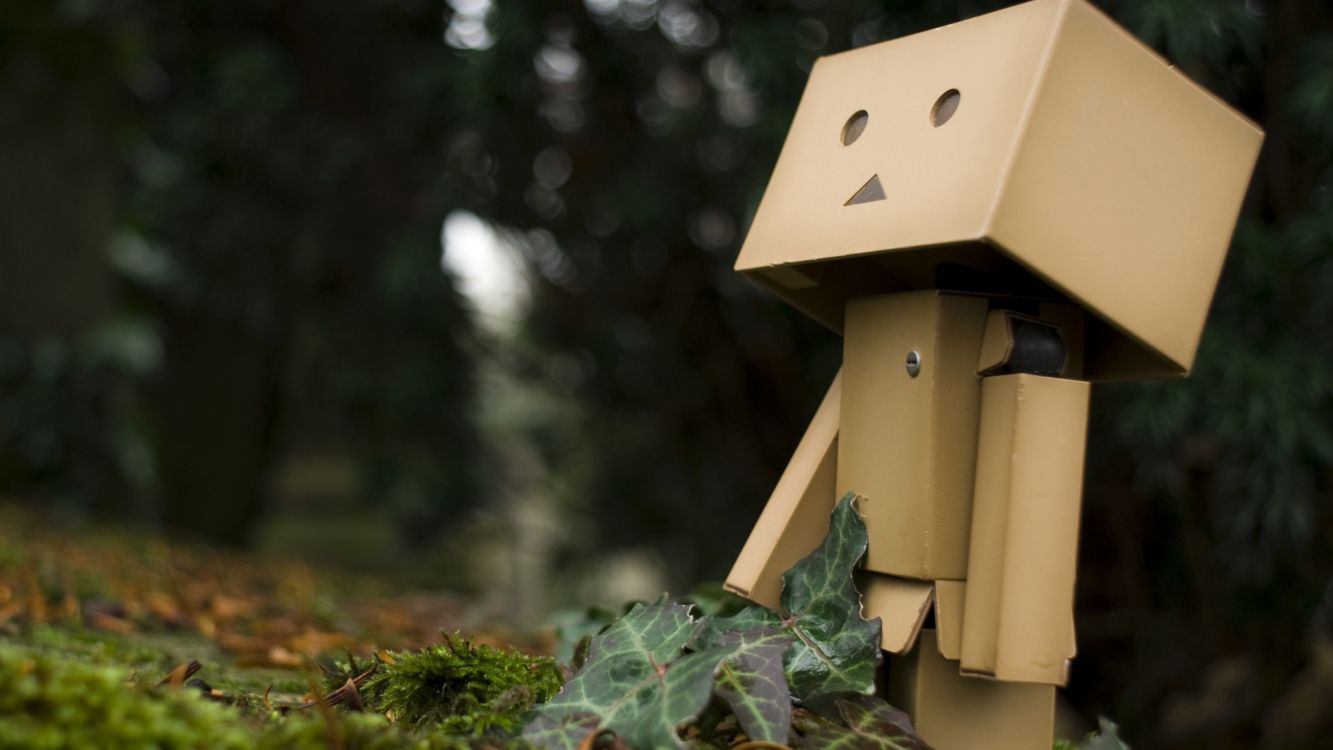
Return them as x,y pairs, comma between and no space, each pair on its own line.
855,125
944,107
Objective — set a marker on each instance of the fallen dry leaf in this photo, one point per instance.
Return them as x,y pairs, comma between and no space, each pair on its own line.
181,673
102,621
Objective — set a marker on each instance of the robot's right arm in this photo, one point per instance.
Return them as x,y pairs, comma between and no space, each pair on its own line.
796,518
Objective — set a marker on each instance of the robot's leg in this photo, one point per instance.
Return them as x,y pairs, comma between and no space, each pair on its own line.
954,712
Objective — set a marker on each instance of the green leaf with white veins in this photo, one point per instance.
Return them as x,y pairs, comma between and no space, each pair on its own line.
836,648
839,649
867,723
753,685
565,732
637,680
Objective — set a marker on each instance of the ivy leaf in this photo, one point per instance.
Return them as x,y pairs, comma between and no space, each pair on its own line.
868,723
566,732
573,624
1106,738
753,684
657,709
751,619
637,680
836,648
713,600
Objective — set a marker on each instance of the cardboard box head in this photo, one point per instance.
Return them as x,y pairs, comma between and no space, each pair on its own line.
1038,151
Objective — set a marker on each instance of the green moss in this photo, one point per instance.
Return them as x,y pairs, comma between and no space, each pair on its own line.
146,653
365,732
462,688
75,688
48,702
360,731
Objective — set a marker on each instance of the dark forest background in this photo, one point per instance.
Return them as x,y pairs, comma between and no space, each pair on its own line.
224,313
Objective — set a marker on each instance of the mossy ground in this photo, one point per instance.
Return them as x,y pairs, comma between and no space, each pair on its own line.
92,625
100,635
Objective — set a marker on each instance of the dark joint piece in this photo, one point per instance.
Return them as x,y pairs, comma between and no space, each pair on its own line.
1039,349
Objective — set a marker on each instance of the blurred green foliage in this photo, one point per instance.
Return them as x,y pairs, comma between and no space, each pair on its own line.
271,179
277,207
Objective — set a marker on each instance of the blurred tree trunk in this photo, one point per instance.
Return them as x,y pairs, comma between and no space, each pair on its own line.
57,212
313,193
217,408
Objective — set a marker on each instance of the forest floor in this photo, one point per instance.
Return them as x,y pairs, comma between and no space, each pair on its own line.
113,637
117,639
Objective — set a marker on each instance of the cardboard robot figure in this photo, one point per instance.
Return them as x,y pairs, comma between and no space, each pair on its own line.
993,214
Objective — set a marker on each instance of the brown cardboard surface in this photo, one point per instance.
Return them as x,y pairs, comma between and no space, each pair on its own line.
939,182
949,596
997,343
954,712
908,444
1138,168
1079,166
796,518
900,603
1018,605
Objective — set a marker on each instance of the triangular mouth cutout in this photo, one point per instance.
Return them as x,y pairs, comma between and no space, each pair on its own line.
869,193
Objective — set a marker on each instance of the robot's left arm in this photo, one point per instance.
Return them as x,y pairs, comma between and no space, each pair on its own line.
1018,608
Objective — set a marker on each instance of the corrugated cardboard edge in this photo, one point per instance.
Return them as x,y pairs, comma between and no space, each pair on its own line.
949,596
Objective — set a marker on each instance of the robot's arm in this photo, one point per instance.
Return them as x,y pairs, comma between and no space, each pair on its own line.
795,521
1012,617
1018,608
796,518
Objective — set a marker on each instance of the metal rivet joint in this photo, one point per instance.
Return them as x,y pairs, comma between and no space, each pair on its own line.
914,363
